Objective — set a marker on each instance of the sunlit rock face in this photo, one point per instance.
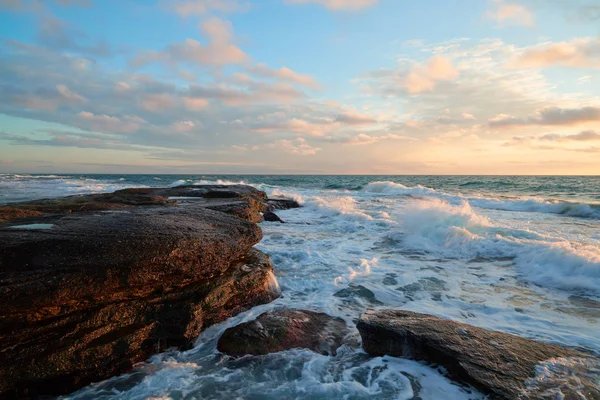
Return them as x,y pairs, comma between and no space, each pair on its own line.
114,278
500,365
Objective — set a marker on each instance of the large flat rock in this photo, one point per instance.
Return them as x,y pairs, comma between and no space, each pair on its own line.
501,365
89,285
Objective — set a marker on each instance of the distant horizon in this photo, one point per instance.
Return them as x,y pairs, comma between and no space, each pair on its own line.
320,87
277,174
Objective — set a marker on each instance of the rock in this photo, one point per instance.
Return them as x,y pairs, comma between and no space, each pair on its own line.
358,291
283,330
281,204
118,277
242,201
272,217
500,365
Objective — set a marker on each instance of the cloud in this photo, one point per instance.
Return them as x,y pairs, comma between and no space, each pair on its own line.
187,8
354,118
35,5
298,147
195,103
72,139
551,141
338,5
551,116
485,89
219,50
510,14
579,53
364,139
284,74
424,77
48,99
109,124
294,125
184,126
57,34
158,102
583,136
252,93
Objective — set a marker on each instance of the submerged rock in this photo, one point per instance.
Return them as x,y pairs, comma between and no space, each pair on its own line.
498,364
284,330
272,217
358,291
117,277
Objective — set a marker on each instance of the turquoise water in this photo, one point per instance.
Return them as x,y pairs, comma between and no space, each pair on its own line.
514,254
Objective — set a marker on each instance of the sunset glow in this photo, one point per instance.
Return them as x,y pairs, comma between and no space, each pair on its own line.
300,86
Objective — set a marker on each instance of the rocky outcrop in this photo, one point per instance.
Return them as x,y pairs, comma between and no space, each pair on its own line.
498,364
284,330
281,204
92,284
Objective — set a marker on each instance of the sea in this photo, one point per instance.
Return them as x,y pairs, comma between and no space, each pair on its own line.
517,254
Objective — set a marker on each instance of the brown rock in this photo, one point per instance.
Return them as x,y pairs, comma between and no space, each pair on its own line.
100,290
498,364
283,330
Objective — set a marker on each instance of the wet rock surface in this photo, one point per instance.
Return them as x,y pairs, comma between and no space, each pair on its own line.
281,204
270,216
119,276
284,330
501,365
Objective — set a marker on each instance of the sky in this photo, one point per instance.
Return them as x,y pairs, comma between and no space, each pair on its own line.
300,86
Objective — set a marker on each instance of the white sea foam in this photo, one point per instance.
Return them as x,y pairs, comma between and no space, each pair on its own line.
458,232
522,204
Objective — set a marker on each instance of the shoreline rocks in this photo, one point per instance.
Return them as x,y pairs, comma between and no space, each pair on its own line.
500,365
285,329
92,284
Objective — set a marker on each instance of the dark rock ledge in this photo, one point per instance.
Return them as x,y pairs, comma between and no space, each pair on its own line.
120,276
500,365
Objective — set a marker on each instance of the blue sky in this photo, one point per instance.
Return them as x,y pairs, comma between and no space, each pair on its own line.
300,86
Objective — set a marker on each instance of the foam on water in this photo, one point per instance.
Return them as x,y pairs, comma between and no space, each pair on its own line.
458,232
523,204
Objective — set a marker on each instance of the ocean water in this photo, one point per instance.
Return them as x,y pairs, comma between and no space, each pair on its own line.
514,254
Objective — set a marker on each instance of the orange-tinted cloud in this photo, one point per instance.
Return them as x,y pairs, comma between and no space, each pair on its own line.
423,78
581,53
510,14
